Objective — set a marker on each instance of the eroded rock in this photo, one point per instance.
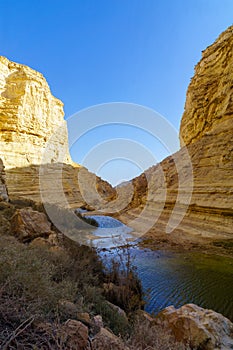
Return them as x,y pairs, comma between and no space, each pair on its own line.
107,340
197,327
30,116
27,224
198,178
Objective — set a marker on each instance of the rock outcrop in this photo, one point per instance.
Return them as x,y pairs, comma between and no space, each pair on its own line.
34,140
200,185
27,224
197,327
209,100
29,116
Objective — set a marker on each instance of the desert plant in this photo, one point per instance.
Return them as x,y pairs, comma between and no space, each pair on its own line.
152,337
126,289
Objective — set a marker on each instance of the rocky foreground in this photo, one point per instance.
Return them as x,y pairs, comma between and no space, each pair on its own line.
27,239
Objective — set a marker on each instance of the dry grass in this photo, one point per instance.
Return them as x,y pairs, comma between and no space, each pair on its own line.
146,337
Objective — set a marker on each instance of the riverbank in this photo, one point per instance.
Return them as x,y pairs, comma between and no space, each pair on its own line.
179,243
56,294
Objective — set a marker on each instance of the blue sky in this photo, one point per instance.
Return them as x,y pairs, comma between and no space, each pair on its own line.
101,51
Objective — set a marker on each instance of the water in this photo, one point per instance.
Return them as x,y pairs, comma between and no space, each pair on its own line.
109,233
180,278
173,278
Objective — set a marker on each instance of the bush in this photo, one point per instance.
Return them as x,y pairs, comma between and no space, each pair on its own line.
152,337
125,289
29,283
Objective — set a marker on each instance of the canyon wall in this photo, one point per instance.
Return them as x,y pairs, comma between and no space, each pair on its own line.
190,193
206,134
34,141
209,100
29,116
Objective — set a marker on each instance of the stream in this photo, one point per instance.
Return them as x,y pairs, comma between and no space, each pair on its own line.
172,278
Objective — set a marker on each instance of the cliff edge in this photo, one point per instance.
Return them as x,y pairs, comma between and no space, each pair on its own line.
29,116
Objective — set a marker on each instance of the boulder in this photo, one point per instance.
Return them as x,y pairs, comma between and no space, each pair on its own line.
71,335
4,225
117,309
98,321
27,224
40,242
84,317
197,327
76,335
144,318
107,340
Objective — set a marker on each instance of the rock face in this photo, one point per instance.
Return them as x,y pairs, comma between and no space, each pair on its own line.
207,131
210,94
197,327
29,116
3,188
33,132
27,224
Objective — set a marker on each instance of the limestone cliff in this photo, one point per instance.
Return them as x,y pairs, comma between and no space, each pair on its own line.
207,130
209,99
32,121
29,116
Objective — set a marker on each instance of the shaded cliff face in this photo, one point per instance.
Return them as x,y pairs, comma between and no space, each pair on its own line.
29,115
207,130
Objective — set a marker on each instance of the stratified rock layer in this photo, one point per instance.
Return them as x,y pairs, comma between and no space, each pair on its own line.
34,142
209,99
29,116
205,180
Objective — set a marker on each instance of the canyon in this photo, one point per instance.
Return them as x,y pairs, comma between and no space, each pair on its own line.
185,198
198,179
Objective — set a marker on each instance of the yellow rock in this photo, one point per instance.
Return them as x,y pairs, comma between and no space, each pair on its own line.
34,141
29,116
207,131
209,99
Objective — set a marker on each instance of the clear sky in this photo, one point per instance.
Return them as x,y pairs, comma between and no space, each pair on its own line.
100,51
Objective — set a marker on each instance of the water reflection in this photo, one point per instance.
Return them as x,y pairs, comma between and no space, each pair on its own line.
180,278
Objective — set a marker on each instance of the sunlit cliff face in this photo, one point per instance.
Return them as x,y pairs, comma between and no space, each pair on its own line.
209,99
207,131
29,115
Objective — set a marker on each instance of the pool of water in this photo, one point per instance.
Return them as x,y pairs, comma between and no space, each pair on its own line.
180,278
171,278
109,233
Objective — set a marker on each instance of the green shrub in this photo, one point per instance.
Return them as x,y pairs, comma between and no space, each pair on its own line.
28,276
